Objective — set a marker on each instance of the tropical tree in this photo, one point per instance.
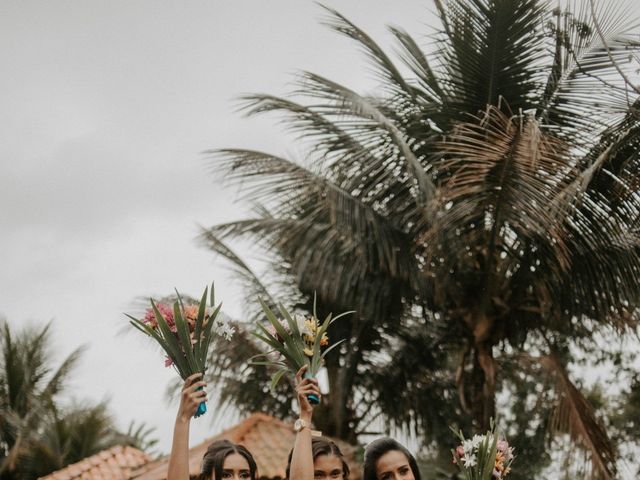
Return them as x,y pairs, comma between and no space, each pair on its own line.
483,202
40,430
29,383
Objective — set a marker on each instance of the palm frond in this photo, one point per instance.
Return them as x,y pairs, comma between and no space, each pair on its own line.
583,90
575,416
389,75
490,49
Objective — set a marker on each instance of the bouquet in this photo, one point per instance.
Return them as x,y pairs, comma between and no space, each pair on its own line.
483,457
184,332
296,342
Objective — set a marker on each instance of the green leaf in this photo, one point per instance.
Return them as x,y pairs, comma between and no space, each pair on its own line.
183,334
198,331
207,333
170,343
276,378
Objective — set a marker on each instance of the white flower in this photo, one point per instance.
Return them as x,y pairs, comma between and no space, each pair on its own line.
223,328
468,446
477,440
228,331
469,460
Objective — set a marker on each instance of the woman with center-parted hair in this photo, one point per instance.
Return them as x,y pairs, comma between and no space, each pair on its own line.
223,459
313,458
387,459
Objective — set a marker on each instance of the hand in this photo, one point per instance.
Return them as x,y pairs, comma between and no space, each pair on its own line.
191,397
304,387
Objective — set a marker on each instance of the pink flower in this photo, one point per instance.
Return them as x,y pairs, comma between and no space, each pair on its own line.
167,313
272,330
150,318
502,446
460,451
168,362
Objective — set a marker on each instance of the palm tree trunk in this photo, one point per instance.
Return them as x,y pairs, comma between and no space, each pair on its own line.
484,386
483,374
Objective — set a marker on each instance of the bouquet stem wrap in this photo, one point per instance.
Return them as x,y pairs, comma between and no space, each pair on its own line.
313,399
202,408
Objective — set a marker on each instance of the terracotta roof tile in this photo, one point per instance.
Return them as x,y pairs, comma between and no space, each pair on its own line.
267,438
115,463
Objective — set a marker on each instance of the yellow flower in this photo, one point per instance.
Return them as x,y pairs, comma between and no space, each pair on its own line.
311,326
308,352
324,341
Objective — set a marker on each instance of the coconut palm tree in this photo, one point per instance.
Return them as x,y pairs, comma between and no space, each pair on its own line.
39,435
485,195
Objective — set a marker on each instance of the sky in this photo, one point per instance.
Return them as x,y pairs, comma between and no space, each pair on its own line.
106,110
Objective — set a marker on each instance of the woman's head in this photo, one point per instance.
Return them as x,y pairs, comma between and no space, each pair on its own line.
387,459
328,461
227,461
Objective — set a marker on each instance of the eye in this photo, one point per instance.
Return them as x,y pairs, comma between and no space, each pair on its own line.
227,474
245,475
336,474
404,471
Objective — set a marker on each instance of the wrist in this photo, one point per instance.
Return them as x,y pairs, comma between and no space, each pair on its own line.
306,416
183,419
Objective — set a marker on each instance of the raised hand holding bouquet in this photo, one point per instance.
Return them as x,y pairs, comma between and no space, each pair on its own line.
184,332
483,457
296,342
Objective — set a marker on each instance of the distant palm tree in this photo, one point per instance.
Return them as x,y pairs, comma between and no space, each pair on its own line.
37,434
485,198
29,382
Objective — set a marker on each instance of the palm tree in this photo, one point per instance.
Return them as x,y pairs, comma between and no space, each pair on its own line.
37,434
29,384
486,199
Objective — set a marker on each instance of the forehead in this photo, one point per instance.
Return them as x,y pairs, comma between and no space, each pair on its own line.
327,463
391,460
235,461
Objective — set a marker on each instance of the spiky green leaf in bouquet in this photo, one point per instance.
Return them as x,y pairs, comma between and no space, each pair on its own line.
184,332
294,342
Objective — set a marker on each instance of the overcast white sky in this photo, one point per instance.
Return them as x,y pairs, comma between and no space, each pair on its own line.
106,108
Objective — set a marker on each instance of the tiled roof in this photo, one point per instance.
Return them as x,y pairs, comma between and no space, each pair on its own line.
116,463
267,438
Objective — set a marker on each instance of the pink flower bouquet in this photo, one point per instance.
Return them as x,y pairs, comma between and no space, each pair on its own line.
184,332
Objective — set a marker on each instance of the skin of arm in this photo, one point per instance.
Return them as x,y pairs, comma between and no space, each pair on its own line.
302,458
189,400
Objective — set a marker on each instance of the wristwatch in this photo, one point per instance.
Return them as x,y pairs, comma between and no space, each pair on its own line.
299,425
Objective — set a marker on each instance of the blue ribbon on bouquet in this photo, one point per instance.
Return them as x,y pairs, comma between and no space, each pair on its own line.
202,408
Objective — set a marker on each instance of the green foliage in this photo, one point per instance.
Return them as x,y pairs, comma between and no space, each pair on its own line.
290,344
188,356
483,203
38,433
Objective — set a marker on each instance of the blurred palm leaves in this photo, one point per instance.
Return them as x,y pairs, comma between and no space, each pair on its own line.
39,431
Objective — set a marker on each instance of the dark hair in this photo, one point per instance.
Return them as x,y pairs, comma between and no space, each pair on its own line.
377,449
323,446
213,460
